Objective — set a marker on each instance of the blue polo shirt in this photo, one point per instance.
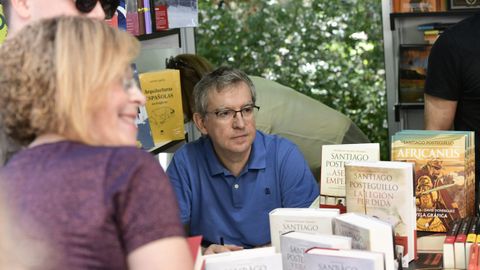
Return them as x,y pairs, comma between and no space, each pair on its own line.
218,205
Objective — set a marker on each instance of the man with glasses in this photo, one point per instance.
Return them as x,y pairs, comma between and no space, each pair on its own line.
19,13
233,176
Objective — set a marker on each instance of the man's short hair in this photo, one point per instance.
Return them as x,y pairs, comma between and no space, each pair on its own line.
218,80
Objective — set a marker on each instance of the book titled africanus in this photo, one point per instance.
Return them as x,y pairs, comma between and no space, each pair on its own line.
444,175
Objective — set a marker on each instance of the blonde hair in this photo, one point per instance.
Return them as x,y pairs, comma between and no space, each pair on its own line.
54,74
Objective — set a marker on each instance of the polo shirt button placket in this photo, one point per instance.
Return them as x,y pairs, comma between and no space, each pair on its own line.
236,186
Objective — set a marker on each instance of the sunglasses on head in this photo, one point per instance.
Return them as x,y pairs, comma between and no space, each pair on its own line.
109,6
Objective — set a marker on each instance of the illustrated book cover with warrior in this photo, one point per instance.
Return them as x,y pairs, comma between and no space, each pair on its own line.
444,179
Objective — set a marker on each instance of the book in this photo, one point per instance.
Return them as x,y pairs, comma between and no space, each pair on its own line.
164,104
327,258
412,71
332,176
132,23
307,220
416,6
448,248
141,17
434,26
427,261
473,258
257,258
294,244
144,133
471,237
459,245
444,183
384,189
428,242
147,17
194,244
368,233
160,15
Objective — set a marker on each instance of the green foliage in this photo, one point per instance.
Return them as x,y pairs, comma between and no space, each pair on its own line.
329,50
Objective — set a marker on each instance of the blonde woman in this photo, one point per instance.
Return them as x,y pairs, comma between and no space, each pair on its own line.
67,95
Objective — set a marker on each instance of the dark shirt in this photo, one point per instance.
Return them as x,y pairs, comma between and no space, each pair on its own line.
454,74
91,205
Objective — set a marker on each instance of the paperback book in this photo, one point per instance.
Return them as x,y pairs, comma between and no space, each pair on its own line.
368,233
294,244
325,258
384,189
332,178
307,220
164,104
257,258
444,175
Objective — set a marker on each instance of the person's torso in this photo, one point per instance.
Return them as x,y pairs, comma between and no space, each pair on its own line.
235,209
65,193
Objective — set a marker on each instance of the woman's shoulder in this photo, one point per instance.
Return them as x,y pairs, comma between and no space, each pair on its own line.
69,151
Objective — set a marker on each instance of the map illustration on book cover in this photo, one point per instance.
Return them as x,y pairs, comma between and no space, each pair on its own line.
444,181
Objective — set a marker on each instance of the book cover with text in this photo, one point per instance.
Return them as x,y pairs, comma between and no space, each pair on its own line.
384,189
164,104
443,181
332,178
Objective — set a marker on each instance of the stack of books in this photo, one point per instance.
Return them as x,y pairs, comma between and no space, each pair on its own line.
431,31
444,179
460,248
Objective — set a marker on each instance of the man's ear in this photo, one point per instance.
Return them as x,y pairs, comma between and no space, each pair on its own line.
200,123
21,8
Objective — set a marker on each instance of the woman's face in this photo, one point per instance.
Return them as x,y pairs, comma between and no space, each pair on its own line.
114,122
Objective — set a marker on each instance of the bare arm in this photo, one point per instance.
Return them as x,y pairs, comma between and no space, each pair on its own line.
167,253
439,113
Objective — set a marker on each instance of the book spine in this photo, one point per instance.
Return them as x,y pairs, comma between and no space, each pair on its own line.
471,237
161,17
148,16
473,257
141,17
448,251
459,246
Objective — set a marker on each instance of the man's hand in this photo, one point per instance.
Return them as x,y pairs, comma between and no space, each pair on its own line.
214,248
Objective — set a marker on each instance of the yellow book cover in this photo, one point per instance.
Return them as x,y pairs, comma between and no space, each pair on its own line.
3,25
443,189
164,104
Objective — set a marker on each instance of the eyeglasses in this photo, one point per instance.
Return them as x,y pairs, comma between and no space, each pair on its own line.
228,114
128,84
108,6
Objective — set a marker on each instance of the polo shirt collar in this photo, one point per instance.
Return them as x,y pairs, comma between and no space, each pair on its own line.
256,161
